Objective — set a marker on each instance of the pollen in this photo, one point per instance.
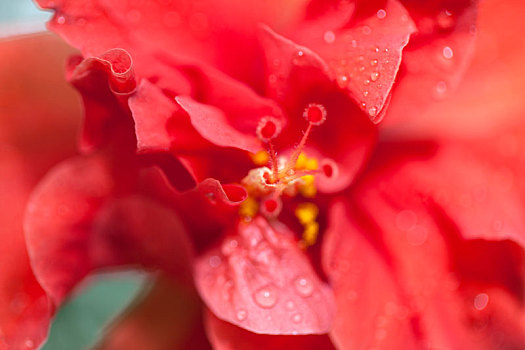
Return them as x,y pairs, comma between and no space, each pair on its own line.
249,208
306,213
310,233
260,158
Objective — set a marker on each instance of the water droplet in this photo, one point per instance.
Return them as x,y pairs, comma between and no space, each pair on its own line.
406,220
298,57
448,53
290,305
376,49
363,105
229,246
373,63
266,297
361,58
441,88
214,261
417,236
29,343
481,301
374,76
61,19
362,68
241,314
372,111
366,30
342,81
354,43
297,318
381,14
366,82
303,286
211,197
365,93
329,36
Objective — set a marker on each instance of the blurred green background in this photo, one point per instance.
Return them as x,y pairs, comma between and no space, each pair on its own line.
80,322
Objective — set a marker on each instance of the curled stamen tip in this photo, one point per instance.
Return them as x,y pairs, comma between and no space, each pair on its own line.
268,128
315,113
271,207
329,168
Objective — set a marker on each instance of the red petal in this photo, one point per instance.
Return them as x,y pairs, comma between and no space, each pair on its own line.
225,336
437,57
103,81
206,31
76,223
213,125
364,58
259,280
39,115
493,77
371,310
481,190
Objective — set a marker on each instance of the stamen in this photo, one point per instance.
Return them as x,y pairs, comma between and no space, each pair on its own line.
268,129
271,207
315,114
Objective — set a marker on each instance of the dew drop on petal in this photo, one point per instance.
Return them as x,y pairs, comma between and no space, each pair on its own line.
376,49
29,343
440,88
372,111
374,76
303,286
362,68
266,297
406,220
417,235
445,19
448,53
241,314
61,19
381,14
214,261
481,301
342,81
329,36
373,62
297,318
365,93
354,43
290,305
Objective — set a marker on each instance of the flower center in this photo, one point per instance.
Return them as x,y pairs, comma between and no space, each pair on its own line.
287,177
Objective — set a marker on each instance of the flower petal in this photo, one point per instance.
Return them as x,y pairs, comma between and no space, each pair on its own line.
437,57
371,310
78,220
225,336
364,56
212,124
259,280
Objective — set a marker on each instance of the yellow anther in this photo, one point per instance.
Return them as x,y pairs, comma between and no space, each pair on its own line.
308,179
312,164
306,213
311,230
249,207
302,161
260,158
308,191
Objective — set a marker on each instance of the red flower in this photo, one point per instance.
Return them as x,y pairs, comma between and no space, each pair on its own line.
404,223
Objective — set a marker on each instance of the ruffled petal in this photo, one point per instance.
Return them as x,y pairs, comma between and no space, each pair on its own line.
81,217
259,280
225,336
